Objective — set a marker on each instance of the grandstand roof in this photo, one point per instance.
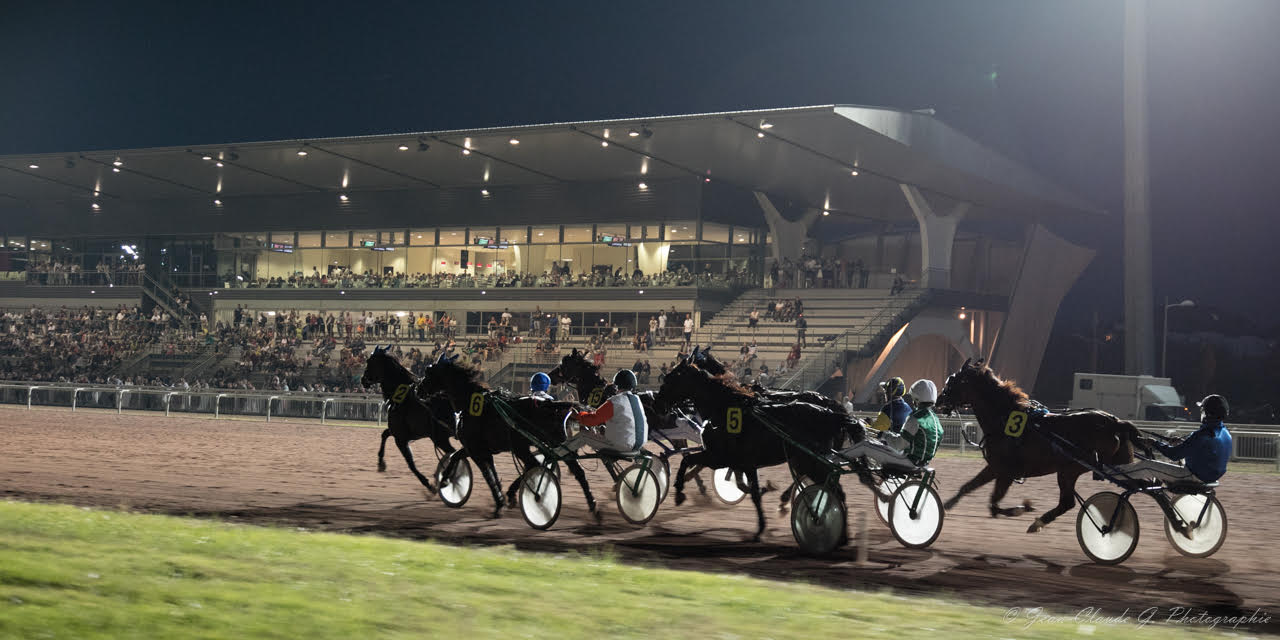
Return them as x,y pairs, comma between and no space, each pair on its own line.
806,155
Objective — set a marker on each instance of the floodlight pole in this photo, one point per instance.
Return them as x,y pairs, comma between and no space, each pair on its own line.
1138,299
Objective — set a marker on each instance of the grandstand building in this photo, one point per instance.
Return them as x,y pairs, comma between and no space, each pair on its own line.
910,245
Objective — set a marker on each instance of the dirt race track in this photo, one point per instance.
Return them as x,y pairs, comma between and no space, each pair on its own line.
325,477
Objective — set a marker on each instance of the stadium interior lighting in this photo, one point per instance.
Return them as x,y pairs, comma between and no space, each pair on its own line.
404,147
33,166
115,169
466,152
217,164
604,143
643,186
302,153
96,206
118,163
342,197
484,192
539,234
206,157
514,141
218,202
759,134
853,172
825,212
766,125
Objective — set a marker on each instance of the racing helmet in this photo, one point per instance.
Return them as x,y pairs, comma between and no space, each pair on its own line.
894,388
539,382
1214,407
923,390
625,380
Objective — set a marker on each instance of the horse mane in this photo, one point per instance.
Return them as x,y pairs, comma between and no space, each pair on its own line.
471,376
730,381
1009,388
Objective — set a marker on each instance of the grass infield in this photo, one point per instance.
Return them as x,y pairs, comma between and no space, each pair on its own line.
68,572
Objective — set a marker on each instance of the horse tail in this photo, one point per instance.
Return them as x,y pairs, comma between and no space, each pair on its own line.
1130,438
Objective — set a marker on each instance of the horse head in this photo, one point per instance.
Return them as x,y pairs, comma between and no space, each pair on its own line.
375,367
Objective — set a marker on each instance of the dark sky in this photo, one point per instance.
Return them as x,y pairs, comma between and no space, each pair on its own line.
1040,80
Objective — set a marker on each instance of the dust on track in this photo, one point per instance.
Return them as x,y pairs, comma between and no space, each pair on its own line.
325,478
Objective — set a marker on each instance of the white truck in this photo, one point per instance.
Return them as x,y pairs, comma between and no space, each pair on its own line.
1129,397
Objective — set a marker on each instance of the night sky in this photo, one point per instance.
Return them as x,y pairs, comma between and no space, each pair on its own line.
1038,80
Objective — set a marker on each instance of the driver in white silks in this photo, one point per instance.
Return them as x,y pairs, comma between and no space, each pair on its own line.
918,431
620,421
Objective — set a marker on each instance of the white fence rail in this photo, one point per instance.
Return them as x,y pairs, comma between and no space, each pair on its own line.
218,403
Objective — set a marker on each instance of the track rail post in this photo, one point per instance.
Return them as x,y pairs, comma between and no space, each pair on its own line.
75,393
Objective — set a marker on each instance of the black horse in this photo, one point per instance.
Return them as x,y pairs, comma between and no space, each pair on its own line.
739,440
1021,442
707,362
484,429
409,417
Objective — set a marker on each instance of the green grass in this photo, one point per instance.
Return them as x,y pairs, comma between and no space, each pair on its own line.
68,572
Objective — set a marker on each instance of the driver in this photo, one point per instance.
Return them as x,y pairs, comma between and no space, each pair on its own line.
894,414
920,427
621,416
1206,451
539,384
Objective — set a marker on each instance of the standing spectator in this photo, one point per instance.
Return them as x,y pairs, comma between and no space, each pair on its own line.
662,326
753,319
802,326
688,328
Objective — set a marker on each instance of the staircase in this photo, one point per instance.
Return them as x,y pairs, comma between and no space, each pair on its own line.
162,295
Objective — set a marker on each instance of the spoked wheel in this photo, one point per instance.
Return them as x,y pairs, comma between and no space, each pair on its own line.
662,471
554,469
725,483
539,497
1107,528
638,494
817,520
915,514
455,492
889,486
1206,528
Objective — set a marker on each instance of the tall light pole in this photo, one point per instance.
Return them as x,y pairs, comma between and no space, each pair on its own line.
1139,303
1164,343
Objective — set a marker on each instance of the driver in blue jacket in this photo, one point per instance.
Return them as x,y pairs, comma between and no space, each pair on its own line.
1206,451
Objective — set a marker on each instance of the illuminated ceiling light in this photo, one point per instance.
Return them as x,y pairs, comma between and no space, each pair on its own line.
33,166
604,143
404,147
962,315
766,125
118,163
540,234
115,169
633,133
514,141
484,192
706,179
606,133
217,164
343,197
218,202
206,157
96,206
759,134
643,186
825,212
853,172
466,152
302,153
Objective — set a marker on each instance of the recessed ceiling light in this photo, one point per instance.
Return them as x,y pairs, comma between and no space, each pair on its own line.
206,157
540,233
342,197
33,166
218,202
825,212
96,206
766,125
853,172
760,134
301,152
117,163
484,192
633,133
115,169
643,186
514,141
217,164
604,143
466,152
404,147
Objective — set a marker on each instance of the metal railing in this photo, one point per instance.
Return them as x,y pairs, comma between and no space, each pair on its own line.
117,278
215,402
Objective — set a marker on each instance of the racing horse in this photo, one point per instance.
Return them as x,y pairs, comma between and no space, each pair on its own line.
704,360
409,417
741,442
1021,440
484,428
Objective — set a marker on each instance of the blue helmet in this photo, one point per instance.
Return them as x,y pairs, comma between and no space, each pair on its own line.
540,382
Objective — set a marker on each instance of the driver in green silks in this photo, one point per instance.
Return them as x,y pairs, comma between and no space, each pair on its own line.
922,430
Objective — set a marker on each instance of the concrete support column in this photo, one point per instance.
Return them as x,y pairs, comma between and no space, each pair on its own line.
937,237
788,236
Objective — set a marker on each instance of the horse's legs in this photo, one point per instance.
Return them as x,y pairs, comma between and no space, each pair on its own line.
753,481
382,449
484,460
1066,498
576,470
447,472
986,475
687,461
997,493
403,445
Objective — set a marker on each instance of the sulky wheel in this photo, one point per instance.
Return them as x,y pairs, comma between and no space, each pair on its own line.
662,470
725,483
1107,528
1206,528
915,514
555,468
889,486
817,520
539,497
638,494
458,489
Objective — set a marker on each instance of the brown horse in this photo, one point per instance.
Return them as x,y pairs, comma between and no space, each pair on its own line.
1020,440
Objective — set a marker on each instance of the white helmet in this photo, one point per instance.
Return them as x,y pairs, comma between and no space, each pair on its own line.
924,390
